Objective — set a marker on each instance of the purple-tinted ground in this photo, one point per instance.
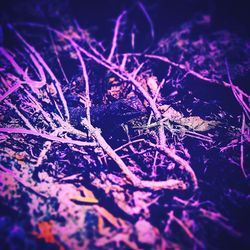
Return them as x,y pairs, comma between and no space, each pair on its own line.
124,125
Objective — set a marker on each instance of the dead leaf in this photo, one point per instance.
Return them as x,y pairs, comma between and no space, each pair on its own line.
145,232
196,123
45,232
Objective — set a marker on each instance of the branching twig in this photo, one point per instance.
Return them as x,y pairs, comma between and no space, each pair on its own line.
50,72
155,185
122,74
184,164
24,119
238,94
200,76
172,217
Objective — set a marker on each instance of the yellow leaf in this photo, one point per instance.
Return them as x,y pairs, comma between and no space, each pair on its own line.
82,199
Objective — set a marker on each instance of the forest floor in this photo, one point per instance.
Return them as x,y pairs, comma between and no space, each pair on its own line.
123,141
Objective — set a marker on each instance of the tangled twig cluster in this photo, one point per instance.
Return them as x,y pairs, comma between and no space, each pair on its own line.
50,157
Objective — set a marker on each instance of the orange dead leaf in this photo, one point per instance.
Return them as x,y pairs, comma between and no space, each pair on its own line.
45,233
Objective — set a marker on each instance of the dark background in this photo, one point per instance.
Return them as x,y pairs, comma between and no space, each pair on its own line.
231,15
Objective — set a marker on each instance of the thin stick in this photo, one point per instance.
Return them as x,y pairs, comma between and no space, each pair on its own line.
46,136
5,82
110,152
142,7
10,58
10,91
39,68
57,58
46,147
85,75
155,99
124,61
186,229
154,167
220,220
25,120
86,78
137,70
115,36
242,146
237,95
125,145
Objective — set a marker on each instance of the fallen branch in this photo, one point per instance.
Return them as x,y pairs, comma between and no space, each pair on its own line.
155,185
46,136
117,71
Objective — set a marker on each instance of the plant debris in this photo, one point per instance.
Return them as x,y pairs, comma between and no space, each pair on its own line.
105,145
